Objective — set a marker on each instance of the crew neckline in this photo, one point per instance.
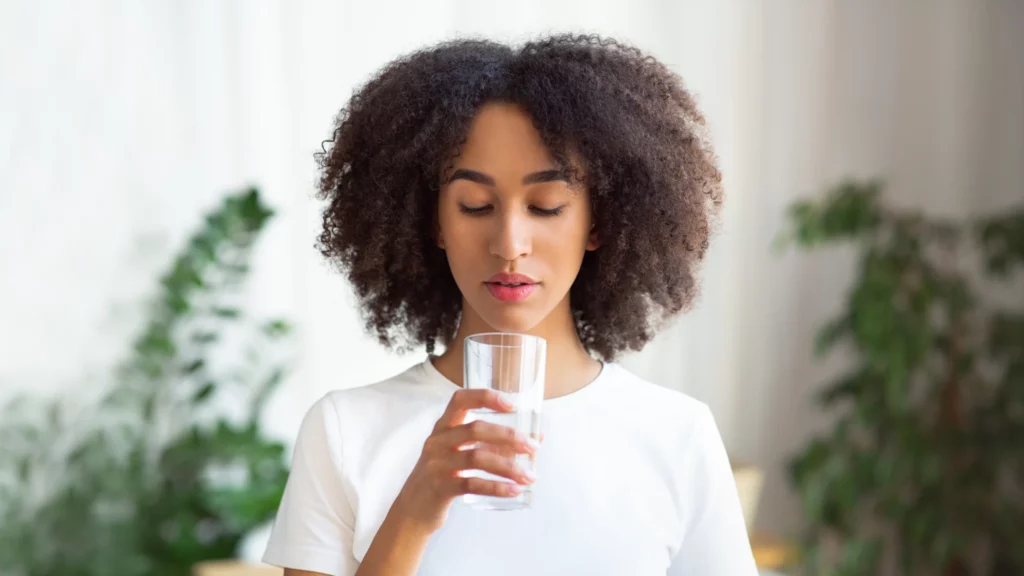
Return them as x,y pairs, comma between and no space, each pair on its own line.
435,375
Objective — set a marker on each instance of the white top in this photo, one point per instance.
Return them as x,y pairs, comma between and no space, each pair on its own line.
632,478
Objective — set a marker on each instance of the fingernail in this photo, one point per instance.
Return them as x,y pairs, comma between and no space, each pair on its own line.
526,440
532,444
515,489
527,475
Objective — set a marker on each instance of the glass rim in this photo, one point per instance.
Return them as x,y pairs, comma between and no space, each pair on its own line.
475,339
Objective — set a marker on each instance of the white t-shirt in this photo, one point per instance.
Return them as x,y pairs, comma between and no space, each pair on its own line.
632,479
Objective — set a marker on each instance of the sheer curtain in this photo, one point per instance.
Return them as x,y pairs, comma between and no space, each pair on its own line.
121,121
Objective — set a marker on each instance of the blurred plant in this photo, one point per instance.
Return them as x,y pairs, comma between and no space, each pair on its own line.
925,463
155,477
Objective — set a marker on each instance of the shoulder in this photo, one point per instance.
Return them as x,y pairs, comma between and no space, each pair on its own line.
411,387
367,414
657,406
678,436
676,429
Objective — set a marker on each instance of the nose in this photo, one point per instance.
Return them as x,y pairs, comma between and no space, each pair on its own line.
511,237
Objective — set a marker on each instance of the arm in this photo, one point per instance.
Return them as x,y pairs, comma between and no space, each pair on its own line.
396,549
715,539
314,530
398,546
422,506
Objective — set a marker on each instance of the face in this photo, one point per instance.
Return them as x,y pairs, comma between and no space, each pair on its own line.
513,228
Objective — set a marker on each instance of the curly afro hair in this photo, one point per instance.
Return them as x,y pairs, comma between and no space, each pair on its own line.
652,176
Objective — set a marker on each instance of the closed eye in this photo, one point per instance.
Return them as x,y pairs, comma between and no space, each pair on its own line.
474,209
480,210
547,211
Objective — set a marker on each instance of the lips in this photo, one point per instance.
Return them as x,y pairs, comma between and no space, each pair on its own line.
511,287
510,279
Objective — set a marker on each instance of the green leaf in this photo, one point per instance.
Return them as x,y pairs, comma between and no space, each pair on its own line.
829,334
225,312
1002,241
24,469
156,342
860,556
254,211
194,366
204,392
203,250
148,408
204,337
276,328
848,387
1006,335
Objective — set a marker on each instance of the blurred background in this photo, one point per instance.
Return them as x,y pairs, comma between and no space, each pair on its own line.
140,142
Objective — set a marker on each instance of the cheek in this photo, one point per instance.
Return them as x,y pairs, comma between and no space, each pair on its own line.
449,221
566,239
463,244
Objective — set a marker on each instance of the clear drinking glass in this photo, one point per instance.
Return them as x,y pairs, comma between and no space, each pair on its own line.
512,364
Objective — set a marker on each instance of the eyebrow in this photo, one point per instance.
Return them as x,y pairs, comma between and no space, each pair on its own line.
535,178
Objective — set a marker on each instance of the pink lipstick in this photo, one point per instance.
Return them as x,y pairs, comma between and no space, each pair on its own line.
511,287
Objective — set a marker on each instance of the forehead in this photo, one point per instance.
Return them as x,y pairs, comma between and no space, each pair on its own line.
501,137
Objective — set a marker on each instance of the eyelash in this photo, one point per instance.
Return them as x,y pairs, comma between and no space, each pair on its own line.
483,209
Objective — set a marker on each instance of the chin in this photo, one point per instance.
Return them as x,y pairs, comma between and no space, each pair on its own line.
511,320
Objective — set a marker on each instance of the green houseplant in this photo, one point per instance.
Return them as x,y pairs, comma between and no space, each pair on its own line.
155,476
923,467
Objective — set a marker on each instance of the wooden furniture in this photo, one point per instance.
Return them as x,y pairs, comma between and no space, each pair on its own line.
234,568
749,484
771,552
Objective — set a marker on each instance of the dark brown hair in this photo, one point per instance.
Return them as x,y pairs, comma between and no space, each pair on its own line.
651,174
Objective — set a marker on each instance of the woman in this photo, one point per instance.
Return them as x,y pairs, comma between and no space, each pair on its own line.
571,173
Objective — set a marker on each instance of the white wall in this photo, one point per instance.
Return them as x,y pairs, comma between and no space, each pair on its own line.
121,121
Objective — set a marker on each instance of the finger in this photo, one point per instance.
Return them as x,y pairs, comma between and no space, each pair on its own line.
484,487
504,450
492,462
465,400
487,432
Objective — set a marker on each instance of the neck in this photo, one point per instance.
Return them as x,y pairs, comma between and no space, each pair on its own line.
574,368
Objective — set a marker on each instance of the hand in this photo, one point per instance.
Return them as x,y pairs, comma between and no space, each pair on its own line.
436,481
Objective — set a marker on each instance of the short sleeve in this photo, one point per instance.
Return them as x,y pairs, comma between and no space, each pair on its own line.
715,537
314,526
